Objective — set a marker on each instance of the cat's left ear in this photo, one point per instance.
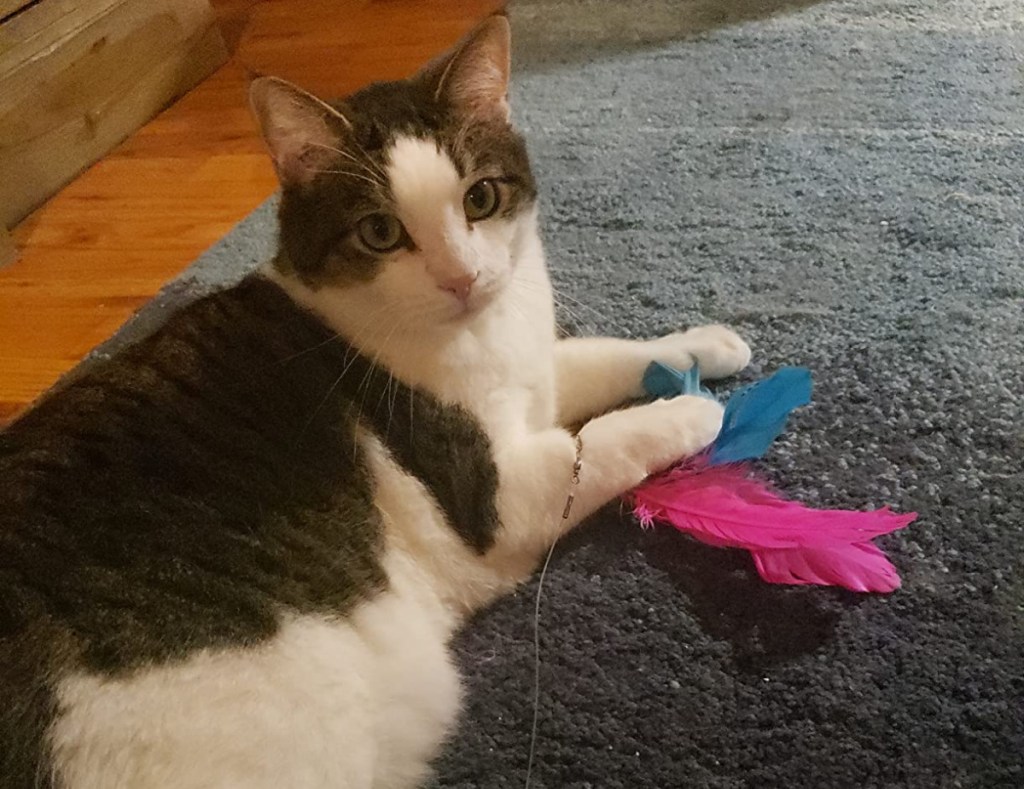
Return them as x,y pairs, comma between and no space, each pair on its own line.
473,77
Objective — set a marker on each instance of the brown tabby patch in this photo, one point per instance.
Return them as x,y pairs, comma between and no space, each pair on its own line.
187,492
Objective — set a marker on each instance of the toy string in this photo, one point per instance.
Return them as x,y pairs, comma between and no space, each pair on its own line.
536,663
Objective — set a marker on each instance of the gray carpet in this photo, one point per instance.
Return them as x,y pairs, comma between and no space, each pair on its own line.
842,182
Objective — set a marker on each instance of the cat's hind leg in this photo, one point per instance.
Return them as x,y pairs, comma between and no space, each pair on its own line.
595,374
303,711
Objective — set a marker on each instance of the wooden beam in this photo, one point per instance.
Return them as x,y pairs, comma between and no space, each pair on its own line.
9,7
8,252
79,77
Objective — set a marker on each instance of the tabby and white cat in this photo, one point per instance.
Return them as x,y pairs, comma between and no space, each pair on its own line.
234,555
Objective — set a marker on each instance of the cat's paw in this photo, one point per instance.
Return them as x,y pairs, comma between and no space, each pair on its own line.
685,426
718,350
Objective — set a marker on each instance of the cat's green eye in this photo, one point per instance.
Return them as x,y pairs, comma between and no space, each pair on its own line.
481,200
381,232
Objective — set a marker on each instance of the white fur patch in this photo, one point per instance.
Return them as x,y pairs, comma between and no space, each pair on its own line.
428,192
423,179
361,703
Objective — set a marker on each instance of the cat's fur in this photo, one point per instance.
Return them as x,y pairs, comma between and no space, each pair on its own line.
234,555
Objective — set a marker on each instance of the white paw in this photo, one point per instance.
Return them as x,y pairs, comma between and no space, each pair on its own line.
717,349
684,426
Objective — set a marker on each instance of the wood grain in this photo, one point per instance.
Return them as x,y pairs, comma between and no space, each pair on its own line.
80,77
9,7
106,243
8,253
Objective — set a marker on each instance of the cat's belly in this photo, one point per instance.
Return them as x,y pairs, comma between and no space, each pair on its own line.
359,703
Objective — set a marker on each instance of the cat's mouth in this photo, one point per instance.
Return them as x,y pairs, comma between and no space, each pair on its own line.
471,307
466,310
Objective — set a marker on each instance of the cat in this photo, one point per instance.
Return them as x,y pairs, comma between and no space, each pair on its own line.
234,554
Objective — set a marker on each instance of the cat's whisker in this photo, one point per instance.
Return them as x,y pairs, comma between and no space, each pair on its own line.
537,289
412,423
394,398
316,347
531,288
352,174
587,324
367,380
366,164
386,393
561,297
391,402
575,317
560,294
349,362
326,397
369,159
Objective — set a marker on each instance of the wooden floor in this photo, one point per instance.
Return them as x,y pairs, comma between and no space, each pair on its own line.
102,247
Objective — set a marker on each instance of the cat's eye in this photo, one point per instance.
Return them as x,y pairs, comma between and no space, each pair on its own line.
481,200
381,232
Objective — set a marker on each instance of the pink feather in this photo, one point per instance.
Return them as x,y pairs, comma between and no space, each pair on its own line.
792,544
859,566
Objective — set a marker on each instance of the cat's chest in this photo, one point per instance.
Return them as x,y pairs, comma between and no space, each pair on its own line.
505,379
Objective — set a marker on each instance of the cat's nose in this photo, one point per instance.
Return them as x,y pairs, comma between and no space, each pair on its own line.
460,286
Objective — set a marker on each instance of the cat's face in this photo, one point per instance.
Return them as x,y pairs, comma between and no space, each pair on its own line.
411,200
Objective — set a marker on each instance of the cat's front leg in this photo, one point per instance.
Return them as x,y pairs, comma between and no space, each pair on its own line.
595,374
618,451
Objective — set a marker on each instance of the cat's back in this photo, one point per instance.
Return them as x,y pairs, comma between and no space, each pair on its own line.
215,456
177,498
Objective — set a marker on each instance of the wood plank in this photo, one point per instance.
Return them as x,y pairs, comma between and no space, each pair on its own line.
9,7
8,252
108,241
80,77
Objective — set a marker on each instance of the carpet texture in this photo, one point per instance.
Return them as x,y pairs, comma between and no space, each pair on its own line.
842,182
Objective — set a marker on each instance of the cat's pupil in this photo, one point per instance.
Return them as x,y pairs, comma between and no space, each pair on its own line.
381,232
380,229
478,198
481,201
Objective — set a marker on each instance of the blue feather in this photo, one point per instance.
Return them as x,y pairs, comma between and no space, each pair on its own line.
661,380
756,414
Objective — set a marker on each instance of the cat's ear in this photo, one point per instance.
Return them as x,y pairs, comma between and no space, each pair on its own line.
473,77
303,133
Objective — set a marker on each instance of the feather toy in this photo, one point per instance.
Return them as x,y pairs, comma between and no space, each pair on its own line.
716,498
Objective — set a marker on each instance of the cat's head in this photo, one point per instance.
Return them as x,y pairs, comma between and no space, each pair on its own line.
412,198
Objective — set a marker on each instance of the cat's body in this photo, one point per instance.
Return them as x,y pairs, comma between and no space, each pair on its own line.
234,555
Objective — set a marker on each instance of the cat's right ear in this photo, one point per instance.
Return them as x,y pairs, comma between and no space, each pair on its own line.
304,135
473,77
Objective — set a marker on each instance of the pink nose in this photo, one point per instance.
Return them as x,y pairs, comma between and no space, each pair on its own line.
459,286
